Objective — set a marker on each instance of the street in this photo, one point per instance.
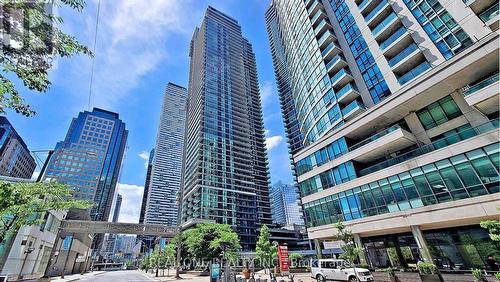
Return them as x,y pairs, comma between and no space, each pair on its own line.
121,275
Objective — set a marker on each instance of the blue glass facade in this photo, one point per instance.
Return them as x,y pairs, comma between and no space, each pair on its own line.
285,204
90,157
372,76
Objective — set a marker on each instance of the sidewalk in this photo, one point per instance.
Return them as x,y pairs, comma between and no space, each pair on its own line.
184,277
74,277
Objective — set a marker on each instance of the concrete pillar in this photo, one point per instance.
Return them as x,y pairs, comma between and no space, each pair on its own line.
473,116
359,244
417,128
317,246
421,243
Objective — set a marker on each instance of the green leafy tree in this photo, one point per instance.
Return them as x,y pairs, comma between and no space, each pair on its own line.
206,240
25,203
265,252
493,227
32,41
350,251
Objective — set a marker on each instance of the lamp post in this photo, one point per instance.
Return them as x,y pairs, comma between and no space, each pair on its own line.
28,251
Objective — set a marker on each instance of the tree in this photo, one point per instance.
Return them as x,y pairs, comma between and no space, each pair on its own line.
31,42
25,203
264,250
295,258
493,227
350,251
205,242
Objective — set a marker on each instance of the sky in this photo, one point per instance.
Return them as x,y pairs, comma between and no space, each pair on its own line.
141,46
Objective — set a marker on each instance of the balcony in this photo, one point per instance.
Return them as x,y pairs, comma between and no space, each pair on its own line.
330,51
418,70
341,78
347,94
395,41
385,26
490,16
363,5
316,5
438,144
336,64
484,95
382,143
353,109
406,55
326,38
308,3
319,16
376,13
323,26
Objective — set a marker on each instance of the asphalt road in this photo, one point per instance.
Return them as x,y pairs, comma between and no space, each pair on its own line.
118,276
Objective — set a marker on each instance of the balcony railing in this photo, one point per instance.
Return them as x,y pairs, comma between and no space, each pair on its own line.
327,49
345,90
438,144
403,54
381,26
339,74
480,85
353,105
414,72
334,61
324,37
376,10
320,26
490,13
374,137
395,36
363,4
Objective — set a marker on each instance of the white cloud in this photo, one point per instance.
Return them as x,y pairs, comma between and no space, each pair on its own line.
131,202
145,156
273,141
267,90
266,132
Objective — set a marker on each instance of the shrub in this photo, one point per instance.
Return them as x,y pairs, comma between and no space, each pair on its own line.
427,267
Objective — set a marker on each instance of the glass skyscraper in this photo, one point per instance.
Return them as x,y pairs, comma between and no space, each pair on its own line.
285,204
225,169
15,157
146,186
398,105
165,180
90,158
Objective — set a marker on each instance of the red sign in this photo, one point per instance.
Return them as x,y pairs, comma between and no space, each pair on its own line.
283,258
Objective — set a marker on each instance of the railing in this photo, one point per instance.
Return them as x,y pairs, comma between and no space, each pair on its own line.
414,73
480,85
313,20
324,36
403,54
353,105
363,4
316,2
327,49
393,38
344,90
374,137
483,128
320,26
384,24
333,61
376,10
490,13
339,74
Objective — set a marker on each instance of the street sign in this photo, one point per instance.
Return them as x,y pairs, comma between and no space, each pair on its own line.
283,259
80,258
215,272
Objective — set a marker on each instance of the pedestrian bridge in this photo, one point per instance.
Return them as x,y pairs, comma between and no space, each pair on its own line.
101,227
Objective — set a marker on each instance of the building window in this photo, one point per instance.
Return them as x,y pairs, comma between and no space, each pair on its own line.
439,112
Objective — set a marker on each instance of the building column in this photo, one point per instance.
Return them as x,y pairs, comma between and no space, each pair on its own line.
417,129
473,116
359,244
421,243
317,246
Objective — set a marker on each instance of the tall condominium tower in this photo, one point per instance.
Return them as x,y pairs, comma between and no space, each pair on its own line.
285,204
90,157
161,204
146,186
398,105
225,175
15,158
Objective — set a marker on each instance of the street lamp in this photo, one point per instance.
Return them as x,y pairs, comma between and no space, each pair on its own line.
28,251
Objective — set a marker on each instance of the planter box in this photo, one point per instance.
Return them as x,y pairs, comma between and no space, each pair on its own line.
429,278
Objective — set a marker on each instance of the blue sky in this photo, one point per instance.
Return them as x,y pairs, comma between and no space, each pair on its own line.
141,46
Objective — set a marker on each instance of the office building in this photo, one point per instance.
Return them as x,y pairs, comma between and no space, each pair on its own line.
161,203
15,158
285,204
225,169
398,105
89,159
118,205
146,186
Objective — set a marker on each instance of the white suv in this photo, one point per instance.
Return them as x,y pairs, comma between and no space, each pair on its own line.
337,269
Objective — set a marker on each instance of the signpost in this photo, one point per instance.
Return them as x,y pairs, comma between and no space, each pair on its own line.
283,260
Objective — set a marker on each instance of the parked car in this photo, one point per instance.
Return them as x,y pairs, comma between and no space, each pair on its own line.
339,270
